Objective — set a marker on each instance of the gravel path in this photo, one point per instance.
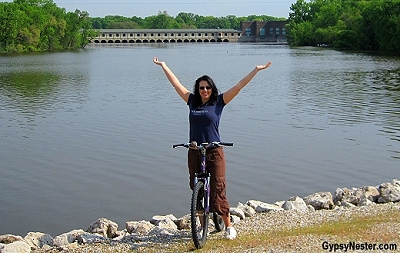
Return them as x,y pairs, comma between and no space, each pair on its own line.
272,221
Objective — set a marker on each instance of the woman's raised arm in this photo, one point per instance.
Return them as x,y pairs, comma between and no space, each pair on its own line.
232,92
180,89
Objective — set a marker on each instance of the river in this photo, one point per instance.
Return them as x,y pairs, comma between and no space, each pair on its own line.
89,133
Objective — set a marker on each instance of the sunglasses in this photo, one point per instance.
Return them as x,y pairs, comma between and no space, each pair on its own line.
205,87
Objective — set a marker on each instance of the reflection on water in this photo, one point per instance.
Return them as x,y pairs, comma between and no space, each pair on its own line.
88,134
35,86
361,94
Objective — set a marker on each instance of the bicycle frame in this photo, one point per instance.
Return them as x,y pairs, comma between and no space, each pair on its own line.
205,176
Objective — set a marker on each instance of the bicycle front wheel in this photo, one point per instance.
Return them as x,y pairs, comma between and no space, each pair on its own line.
198,216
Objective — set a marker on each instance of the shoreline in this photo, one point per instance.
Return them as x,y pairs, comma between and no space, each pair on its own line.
166,230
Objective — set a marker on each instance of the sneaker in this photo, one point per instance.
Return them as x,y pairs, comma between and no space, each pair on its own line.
230,233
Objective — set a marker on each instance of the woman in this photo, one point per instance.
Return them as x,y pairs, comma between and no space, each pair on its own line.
206,105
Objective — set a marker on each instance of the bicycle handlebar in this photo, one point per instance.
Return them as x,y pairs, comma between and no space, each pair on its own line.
193,144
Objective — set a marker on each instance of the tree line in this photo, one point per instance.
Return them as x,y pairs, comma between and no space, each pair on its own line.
182,21
40,25
346,24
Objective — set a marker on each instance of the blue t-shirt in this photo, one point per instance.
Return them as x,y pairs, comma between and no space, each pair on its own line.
204,120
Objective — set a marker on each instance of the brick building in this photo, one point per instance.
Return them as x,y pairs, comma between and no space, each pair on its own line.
268,31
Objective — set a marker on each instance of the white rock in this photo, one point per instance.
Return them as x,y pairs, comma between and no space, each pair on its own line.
8,238
237,212
67,238
157,218
235,219
320,200
90,238
103,227
262,207
183,222
38,239
389,192
247,210
15,247
141,227
295,203
167,224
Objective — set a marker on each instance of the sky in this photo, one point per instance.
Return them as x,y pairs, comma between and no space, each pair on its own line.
145,8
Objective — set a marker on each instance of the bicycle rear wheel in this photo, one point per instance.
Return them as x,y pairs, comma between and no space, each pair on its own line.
218,222
198,216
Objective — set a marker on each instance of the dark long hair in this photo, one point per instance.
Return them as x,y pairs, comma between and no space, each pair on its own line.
196,92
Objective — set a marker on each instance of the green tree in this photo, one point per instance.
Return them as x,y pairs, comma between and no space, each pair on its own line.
137,20
160,21
234,22
78,32
300,12
186,20
301,34
10,22
382,24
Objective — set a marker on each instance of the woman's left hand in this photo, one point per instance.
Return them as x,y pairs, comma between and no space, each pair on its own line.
261,67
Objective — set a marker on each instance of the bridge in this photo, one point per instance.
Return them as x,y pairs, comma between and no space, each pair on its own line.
270,31
166,35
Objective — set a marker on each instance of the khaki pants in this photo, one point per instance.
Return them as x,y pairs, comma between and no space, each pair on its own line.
217,168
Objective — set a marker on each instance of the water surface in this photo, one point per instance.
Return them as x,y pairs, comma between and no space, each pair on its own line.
89,134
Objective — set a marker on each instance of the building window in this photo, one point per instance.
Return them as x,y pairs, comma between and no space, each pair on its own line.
283,31
131,35
110,35
262,31
123,35
248,31
271,31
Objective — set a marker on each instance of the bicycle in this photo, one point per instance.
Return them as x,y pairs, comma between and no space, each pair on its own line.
200,202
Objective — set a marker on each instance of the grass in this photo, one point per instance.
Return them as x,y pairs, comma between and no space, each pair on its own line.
370,229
